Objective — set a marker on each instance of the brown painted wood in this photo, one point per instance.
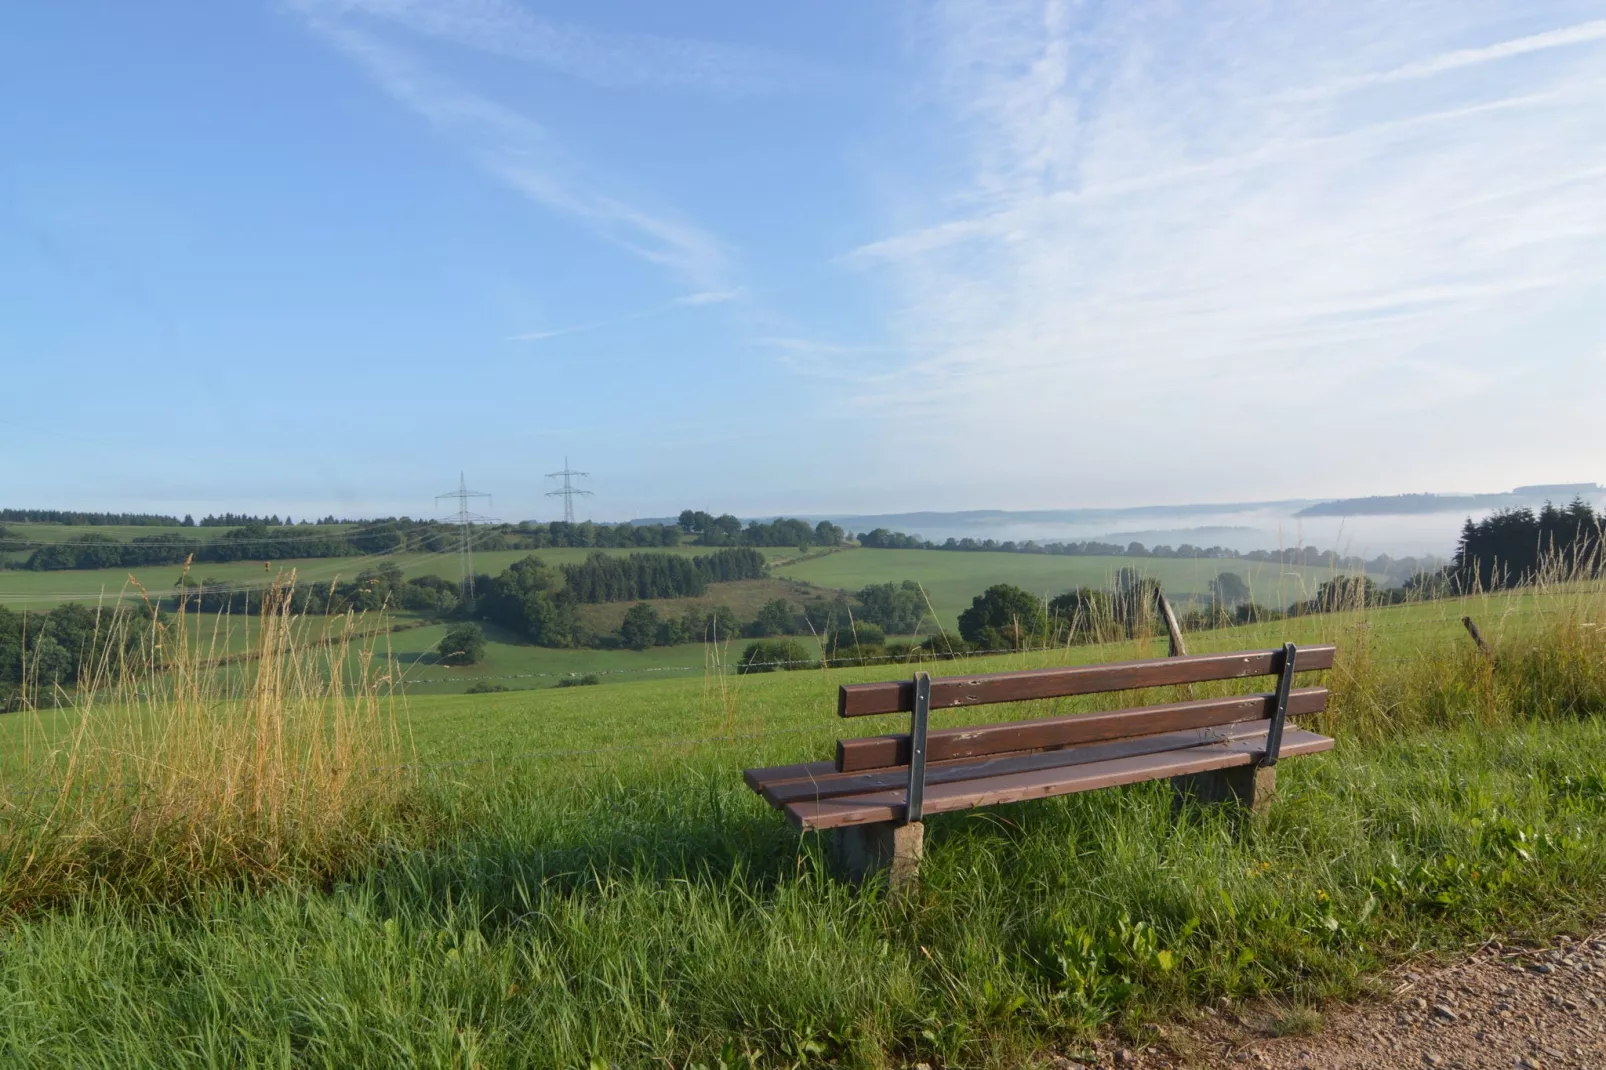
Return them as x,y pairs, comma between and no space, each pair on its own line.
862,700
817,786
887,805
876,752
758,778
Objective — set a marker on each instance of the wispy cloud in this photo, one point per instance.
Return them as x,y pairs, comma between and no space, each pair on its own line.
517,151
1203,213
541,336
1458,59
694,300
708,297
509,29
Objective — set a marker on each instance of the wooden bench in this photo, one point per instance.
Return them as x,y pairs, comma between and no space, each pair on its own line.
876,793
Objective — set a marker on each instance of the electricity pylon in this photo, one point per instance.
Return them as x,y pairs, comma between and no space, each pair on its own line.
568,491
465,522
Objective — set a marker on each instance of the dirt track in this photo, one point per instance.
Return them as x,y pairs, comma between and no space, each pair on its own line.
1501,1007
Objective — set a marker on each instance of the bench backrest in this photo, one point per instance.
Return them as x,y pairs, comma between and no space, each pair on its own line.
859,700
898,696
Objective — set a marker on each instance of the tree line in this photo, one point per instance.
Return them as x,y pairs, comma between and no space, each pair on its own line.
1396,568
727,530
615,578
1514,546
74,518
51,650
259,541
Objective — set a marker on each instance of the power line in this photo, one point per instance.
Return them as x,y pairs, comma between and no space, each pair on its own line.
568,491
465,521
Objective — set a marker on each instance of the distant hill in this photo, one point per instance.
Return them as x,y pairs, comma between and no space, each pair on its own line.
1409,504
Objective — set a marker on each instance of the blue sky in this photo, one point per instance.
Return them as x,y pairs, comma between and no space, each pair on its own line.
321,255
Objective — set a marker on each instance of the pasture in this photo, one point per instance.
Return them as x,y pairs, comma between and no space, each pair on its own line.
581,879
952,578
22,588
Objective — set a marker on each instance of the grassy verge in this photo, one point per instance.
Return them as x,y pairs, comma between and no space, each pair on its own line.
627,902
174,770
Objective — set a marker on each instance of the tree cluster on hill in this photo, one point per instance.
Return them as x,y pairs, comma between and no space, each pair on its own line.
235,520
255,542
727,530
541,603
900,608
612,578
271,541
372,589
463,644
55,649
585,535
1513,546
72,517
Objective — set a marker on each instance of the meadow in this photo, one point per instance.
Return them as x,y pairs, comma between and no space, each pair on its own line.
578,877
952,578
23,588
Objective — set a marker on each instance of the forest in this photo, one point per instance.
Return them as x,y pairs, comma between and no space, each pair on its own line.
1512,546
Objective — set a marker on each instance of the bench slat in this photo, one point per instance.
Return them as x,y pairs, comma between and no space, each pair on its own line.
863,700
1043,783
757,779
798,789
880,752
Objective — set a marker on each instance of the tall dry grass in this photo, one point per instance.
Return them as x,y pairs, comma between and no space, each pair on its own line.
172,768
1541,656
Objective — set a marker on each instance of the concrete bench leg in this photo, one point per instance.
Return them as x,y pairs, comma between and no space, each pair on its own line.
861,852
1249,786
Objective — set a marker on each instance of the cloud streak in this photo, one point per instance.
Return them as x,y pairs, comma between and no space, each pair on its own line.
695,300
1176,216
1459,59
518,152
614,61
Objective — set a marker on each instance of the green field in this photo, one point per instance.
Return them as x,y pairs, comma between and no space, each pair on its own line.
594,886
952,578
51,533
22,588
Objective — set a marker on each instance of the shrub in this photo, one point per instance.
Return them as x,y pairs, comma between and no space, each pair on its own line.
464,644
1003,616
639,629
767,655
485,687
590,679
859,636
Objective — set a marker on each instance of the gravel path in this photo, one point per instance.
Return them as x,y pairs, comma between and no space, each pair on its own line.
1501,1007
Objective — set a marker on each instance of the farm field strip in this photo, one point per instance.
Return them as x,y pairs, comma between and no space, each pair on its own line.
45,589
951,578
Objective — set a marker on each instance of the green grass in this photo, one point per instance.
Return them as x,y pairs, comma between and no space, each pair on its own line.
592,885
518,665
953,578
25,589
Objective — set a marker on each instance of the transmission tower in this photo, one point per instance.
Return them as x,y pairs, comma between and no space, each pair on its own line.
568,491
465,522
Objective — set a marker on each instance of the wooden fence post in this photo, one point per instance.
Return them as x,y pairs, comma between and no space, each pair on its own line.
1173,629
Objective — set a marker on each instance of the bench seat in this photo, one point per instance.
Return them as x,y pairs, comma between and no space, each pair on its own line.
816,796
874,797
